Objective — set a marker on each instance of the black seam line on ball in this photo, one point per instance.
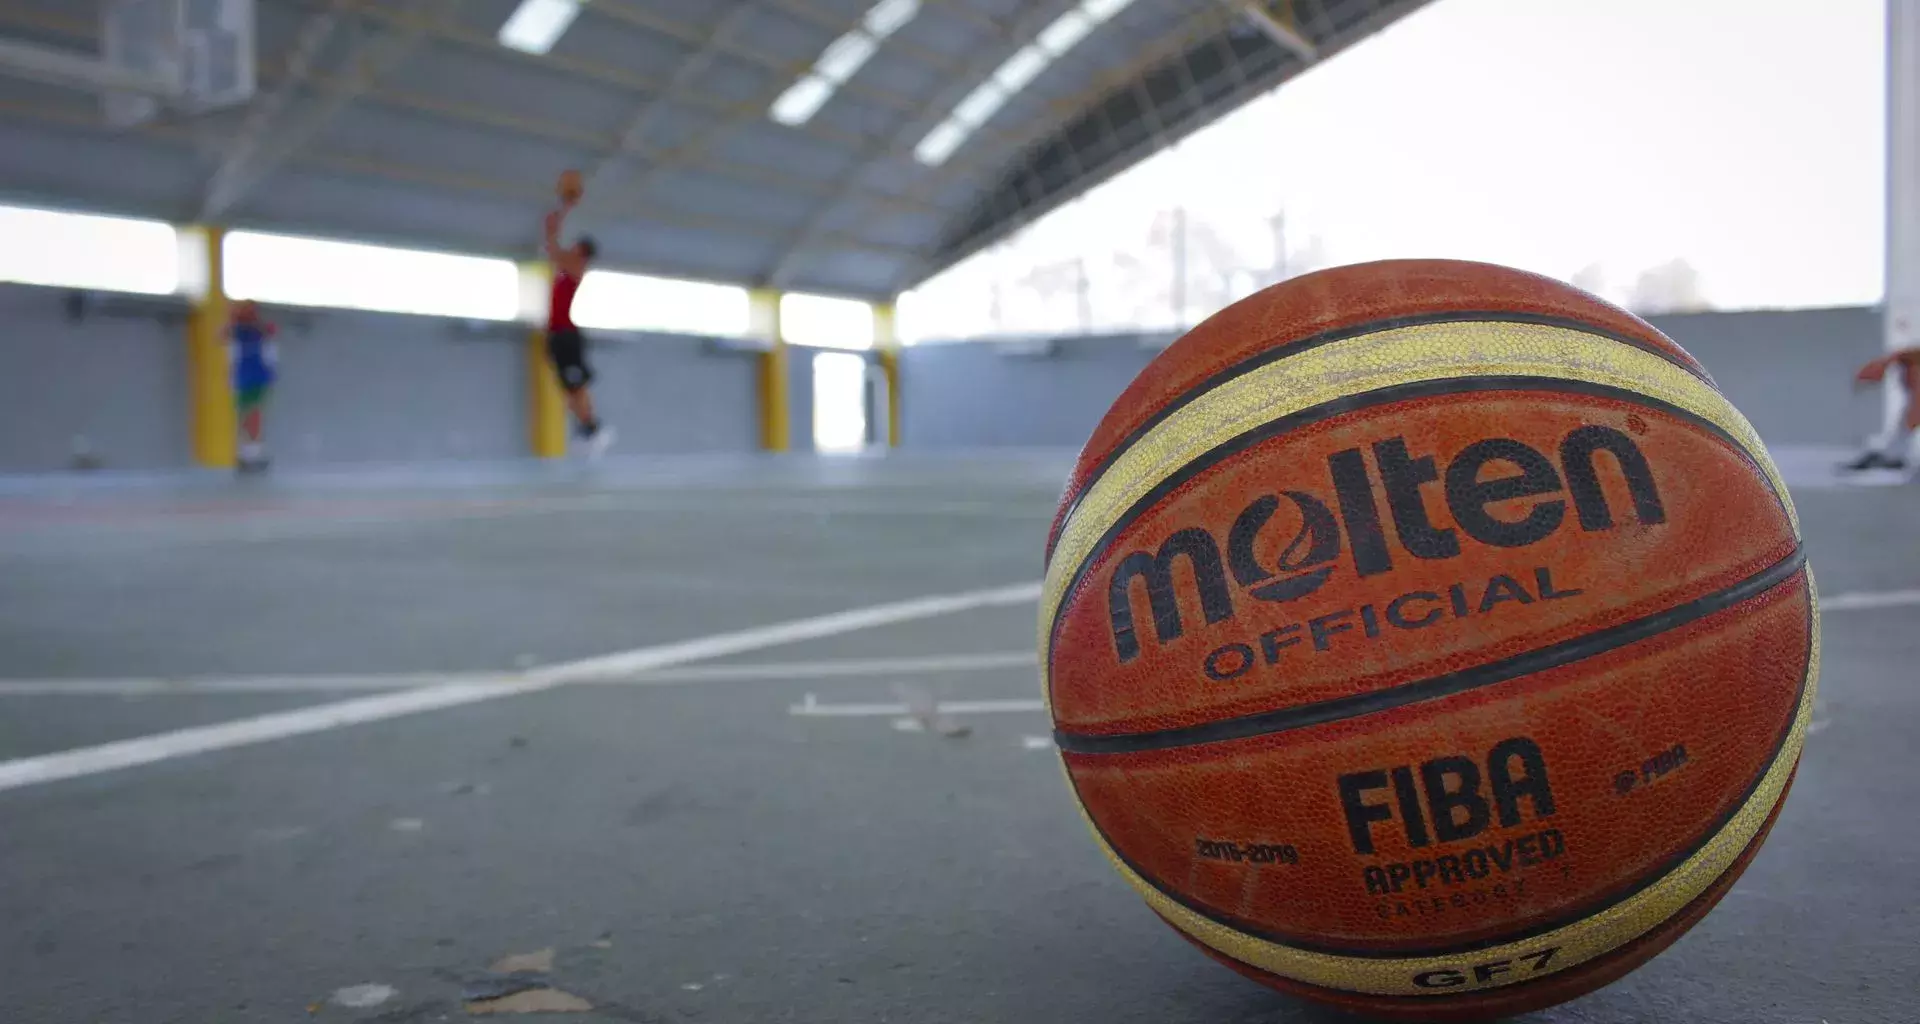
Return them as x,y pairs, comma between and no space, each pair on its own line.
1367,399
1573,916
1543,659
1311,342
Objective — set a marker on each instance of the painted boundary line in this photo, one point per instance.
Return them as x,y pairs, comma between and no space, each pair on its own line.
109,757
214,685
1870,599
989,661
640,672
812,708
424,694
298,522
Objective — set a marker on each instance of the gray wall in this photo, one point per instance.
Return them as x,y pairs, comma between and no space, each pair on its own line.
800,397
119,379
668,393
972,395
1789,372
354,387
360,387
373,387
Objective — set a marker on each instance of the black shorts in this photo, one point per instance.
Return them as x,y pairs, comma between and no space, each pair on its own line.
568,350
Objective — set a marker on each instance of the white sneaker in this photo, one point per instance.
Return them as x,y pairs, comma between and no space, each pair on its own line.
601,440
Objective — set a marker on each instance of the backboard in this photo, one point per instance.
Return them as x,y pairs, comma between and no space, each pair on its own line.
140,36
204,49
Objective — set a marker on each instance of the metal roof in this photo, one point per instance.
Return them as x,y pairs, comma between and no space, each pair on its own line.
406,121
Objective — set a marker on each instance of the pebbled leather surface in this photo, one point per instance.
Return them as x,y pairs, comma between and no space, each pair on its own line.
1719,523
1725,688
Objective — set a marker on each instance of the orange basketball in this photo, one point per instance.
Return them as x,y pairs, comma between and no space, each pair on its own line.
1428,638
570,187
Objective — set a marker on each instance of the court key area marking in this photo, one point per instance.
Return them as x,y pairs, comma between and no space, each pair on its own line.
107,757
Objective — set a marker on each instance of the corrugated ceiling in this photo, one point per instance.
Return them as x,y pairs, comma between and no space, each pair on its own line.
410,123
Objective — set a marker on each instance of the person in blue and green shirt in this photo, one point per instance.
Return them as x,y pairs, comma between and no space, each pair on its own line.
254,357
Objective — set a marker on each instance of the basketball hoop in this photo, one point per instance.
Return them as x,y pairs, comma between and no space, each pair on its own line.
199,55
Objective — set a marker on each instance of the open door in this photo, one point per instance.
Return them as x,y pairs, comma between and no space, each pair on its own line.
840,402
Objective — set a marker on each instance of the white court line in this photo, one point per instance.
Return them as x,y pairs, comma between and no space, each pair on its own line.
458,691
108,757
987,662
812,708
1870,599
984,662
157,687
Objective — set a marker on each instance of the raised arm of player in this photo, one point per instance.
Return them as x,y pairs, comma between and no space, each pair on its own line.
1874,371
565,260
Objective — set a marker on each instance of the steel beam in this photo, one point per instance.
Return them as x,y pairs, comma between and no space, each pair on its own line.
72,70
688,154
375,56
226,184
976,158
890,145
633,135
1280,31
486,45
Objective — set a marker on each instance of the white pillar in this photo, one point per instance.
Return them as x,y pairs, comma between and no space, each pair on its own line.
1902,312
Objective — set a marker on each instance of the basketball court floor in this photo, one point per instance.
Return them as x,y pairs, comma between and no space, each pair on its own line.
650,743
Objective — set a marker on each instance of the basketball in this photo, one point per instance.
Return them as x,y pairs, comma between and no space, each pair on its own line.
1428,639
570,188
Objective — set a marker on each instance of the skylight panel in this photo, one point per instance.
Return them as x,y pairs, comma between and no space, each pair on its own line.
981,104
1065,32
845,56
801,101
941,142
888,16
536,25
1101,10
840,61
1022,68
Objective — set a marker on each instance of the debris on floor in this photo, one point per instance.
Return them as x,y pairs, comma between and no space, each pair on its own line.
535,1000
603,942
406,824
487,989
926,713
360,997
540,961
518,983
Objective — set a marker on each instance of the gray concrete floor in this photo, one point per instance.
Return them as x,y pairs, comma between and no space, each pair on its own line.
692,850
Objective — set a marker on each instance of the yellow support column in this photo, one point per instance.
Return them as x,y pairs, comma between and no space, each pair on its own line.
546,404
886,338
763,323
214,424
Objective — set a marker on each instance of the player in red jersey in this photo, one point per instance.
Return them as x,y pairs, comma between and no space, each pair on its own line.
565,345
1893,454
